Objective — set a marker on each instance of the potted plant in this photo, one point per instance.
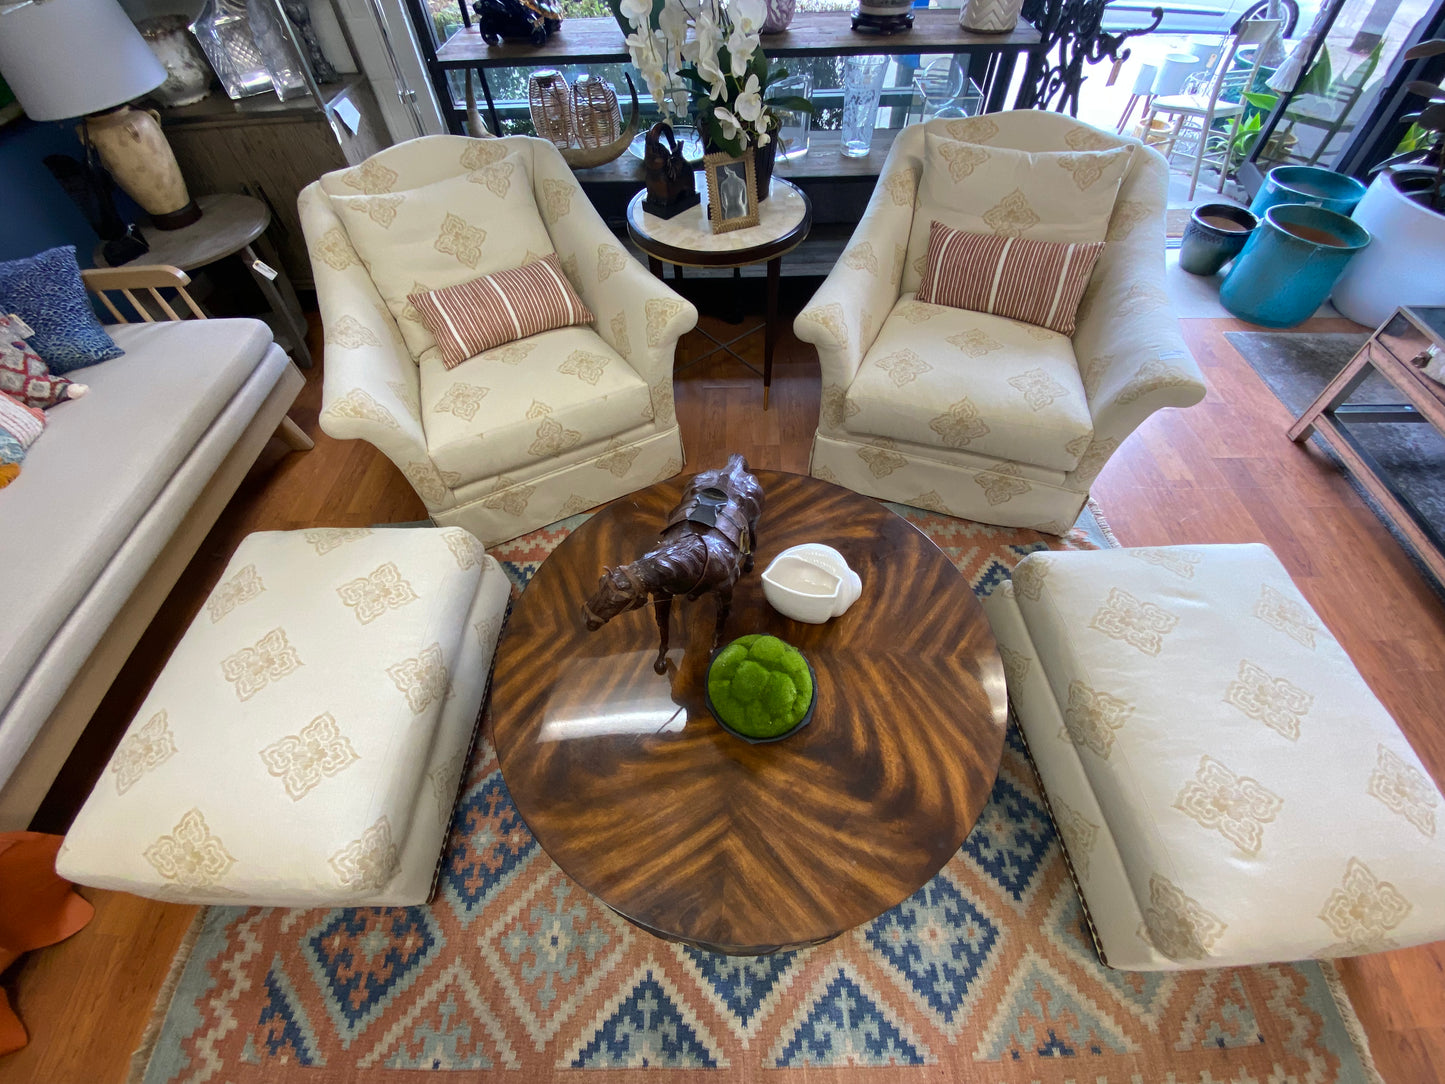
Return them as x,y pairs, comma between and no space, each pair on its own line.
706,60
1404,210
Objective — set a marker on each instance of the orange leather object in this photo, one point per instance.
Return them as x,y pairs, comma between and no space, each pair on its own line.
37,908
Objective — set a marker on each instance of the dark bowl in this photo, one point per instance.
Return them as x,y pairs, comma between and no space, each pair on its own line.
804,721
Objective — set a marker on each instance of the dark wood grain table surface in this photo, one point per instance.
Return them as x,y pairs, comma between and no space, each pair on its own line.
632,788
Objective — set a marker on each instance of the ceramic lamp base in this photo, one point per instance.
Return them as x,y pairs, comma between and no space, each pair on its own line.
133,148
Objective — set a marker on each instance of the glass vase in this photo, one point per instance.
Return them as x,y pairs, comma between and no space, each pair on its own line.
793,135
223,29
862,88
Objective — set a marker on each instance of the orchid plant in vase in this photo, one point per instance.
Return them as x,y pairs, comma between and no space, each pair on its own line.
707,55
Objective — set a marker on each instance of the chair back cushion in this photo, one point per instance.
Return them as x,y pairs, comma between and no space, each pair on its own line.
1038,282
481,220
1065,196
499,308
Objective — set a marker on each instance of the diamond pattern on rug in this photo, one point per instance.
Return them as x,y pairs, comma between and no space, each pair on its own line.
650,1027
1043,1014
489,843
847,1024
282,1028
363,957
550,949
1011,839
448,1026
742,986
1220,1015
940,944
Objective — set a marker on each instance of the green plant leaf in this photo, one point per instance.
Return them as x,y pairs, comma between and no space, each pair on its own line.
1318,79
1425,90
794,103
1261,101
1433,47
1432,118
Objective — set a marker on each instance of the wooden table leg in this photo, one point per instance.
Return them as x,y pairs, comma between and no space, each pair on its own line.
282,298
770,330
1335,392
655,266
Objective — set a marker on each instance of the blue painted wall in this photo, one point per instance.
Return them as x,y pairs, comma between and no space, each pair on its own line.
35,212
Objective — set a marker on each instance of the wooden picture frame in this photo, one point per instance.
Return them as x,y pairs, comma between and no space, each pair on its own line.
723,172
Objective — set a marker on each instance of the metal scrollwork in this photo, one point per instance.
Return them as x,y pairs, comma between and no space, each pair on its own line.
1071,38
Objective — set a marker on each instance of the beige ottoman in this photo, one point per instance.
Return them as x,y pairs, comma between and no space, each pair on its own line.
304,744
1228,789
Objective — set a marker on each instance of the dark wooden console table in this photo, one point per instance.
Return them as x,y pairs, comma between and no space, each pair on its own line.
599,41
1399,351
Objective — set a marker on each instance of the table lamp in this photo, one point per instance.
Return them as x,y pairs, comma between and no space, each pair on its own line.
85,58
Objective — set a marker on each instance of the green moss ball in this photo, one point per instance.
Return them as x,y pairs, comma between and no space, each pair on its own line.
760,686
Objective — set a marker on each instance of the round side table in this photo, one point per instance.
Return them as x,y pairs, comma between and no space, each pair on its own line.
231,225
687,241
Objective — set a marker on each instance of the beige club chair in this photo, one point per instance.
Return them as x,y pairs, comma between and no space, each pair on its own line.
992,419
529,432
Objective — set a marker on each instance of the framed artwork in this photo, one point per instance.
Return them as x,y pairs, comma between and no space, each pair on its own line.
732,191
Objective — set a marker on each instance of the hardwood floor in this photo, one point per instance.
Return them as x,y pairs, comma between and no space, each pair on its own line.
1221,472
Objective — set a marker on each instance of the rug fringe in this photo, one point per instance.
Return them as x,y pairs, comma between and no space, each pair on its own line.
140,1060
1104,528
1353,1027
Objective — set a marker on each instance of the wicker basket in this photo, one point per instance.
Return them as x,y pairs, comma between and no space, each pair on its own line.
596,116
550,101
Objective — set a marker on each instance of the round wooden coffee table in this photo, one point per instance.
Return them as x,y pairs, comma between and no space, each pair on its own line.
697,836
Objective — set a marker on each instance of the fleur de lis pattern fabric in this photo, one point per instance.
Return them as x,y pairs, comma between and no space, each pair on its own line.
1125,344
1201,709
354,673
456,436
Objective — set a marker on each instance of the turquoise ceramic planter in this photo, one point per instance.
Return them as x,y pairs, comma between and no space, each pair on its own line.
1290,264
1310,185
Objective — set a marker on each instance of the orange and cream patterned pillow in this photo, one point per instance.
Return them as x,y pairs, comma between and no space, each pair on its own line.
1038,282
474,316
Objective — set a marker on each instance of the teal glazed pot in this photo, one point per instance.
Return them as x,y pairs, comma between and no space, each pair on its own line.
1311,185
1290,264
1215,235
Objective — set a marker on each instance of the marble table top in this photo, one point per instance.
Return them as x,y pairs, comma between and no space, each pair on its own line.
781,214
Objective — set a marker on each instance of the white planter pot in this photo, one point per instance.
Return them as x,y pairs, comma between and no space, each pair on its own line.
990,16
1403,265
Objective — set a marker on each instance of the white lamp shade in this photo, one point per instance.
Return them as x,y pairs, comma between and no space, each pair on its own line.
67,58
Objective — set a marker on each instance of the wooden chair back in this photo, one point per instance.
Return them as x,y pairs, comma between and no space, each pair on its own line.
152,278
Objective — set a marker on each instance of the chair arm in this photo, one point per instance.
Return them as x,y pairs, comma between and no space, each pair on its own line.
638,315
371,390
1131,356
843,318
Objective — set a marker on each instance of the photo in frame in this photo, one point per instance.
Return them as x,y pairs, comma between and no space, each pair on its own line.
732,191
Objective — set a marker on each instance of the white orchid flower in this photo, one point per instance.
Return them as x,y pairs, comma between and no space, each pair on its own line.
748,15
741,46
636,12
673,23
731,129
749,104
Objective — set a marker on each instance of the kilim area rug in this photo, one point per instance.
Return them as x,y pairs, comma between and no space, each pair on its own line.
513,973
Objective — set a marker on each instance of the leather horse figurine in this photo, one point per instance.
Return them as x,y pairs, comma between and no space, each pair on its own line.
706,545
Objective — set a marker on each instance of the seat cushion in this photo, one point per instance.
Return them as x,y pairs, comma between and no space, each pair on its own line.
281,755
101,462
948,378
529,401
445,233
1264,803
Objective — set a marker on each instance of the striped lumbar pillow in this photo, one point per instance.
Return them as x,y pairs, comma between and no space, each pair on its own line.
1038,282
474,316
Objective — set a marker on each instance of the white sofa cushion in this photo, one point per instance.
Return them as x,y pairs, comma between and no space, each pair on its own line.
531,401
101,463
445,233
949,378
304,741
1042,196
1263,802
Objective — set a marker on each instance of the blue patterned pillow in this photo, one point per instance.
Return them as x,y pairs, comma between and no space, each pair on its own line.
46,292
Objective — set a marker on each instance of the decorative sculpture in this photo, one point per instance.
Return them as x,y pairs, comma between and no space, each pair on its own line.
671,185
706,545
534,20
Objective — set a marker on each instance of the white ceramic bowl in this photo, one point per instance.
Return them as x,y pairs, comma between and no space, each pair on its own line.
811,583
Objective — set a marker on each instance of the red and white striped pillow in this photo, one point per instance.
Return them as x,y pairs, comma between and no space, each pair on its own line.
498,308
1038,282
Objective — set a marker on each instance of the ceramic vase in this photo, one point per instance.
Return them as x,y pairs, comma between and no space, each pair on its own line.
779,15
990,16
1314,185
133,148
1404,266
1290,264
1217,232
